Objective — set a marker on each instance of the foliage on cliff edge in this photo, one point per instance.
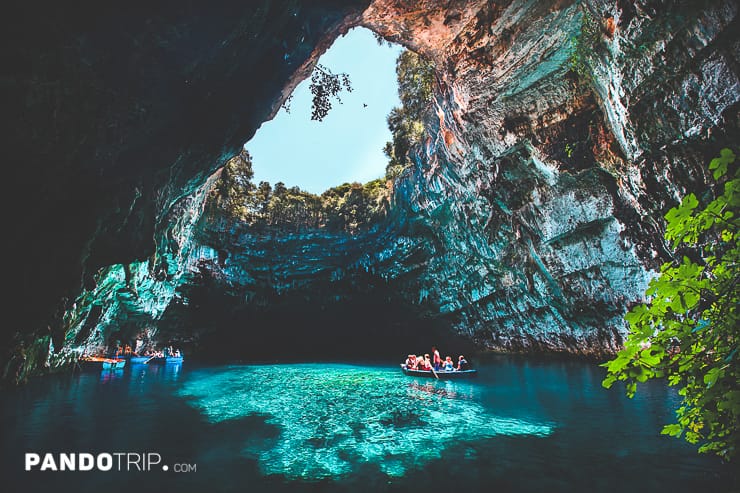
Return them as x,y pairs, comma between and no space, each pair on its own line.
689,330
415,77
348,207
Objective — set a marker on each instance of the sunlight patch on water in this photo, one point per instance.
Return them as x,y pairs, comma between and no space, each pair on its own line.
334,417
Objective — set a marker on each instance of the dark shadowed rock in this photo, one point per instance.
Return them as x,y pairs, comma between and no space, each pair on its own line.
113,112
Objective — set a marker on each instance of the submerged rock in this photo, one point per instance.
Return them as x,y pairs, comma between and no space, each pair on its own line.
329,418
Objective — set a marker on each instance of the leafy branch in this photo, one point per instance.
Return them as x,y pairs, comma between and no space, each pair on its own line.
325,86
689,330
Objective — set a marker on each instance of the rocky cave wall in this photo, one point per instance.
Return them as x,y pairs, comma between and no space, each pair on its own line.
530,219
544,188
114,112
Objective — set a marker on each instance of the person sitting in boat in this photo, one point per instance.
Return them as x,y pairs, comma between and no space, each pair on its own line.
425,364
462,363
410,361
178,354
448,365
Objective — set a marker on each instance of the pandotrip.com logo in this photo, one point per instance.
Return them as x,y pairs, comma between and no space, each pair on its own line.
105,461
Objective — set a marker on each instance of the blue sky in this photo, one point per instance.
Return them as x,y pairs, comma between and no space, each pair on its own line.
348,145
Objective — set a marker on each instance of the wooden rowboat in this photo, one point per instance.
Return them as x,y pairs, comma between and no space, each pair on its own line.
166,359
96,362
441,374
115,364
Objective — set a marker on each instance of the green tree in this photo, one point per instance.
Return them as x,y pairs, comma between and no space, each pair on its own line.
415,77
354,206
689,330
234,186
263,195
349,207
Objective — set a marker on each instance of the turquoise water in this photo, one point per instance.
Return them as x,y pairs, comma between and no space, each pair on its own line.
523,425
333,417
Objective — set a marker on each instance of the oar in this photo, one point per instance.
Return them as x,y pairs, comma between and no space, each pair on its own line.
147,361
435,374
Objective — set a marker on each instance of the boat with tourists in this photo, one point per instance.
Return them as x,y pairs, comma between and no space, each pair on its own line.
135,359
427,366
100,363
167,355
440,374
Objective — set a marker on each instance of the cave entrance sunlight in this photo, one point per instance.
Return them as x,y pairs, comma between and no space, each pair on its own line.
302,235
347,146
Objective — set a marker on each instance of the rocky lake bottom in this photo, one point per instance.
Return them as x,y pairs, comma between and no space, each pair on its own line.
525,424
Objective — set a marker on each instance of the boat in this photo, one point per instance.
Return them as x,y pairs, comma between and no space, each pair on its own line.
441,374
135,360
99,363
166,359
115,364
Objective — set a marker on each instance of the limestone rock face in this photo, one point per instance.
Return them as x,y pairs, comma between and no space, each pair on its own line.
543,188
114,112
560,133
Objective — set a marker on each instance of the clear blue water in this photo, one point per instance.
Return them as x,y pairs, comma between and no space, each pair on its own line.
523,425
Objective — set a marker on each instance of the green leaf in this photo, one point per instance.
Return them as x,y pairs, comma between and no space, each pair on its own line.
637,315
727,154
679,214
719,164
711,376
720,168
674,430
608,381
631,388
651,357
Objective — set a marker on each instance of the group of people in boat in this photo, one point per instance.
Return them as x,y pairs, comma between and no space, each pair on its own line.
167,352
435,362
122,351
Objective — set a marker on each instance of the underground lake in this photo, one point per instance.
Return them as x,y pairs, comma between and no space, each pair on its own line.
525,424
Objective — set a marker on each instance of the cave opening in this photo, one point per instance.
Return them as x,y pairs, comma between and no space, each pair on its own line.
291,271
345,145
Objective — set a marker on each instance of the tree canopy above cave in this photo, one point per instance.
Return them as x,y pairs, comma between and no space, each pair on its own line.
415,80
349,207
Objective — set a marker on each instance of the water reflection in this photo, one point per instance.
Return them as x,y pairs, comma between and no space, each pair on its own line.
333,418
108,376
167,372
447,389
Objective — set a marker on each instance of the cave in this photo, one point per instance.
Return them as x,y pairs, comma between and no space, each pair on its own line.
523,212
525,219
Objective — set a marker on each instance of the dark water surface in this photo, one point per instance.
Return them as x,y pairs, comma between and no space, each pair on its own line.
523,425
